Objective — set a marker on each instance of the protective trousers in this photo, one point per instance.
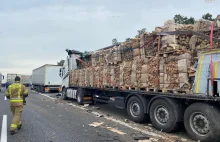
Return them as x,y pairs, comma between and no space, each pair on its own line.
16,121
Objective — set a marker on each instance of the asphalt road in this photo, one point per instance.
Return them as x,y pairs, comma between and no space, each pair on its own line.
46,120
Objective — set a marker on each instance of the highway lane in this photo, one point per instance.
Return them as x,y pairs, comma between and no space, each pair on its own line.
46,120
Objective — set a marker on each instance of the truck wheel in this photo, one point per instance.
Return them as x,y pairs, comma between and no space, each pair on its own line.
64,94
80,96
135,110
202,122
162,116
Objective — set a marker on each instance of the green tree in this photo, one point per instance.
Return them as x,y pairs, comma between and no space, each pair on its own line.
141,32
208,16
128,39
114,41
60,63
179,19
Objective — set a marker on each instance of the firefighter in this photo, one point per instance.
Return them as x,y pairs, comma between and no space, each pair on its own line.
16,92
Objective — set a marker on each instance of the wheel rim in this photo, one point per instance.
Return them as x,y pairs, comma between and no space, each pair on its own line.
63,93
199,123
78,98
161,115
135,109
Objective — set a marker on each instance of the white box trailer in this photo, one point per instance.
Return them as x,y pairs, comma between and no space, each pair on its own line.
25,79
1,78
46,78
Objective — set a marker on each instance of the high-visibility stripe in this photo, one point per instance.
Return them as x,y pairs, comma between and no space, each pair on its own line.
14,125
216,70
14,101
199,74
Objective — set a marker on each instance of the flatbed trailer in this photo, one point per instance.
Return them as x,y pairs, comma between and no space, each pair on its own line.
199,110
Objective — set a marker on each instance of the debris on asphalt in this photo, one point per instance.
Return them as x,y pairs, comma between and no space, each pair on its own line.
86,105
88,110
59,94
96,124
95,107
144,141
153,139
126,120
184,140
60,115
43,99
98,114
140,136
115,130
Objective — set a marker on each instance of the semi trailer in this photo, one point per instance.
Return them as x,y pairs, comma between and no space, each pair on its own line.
166,82
199,110
1,78
46,78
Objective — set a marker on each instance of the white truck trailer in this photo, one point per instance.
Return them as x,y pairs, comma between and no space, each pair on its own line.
1,78
25,79
46,78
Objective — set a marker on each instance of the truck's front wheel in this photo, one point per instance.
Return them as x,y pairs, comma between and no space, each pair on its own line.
202,122
135,110
64,94
80,96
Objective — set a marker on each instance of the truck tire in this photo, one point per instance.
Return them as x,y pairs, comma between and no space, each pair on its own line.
162,116
80,96
64,94
202,122
135,110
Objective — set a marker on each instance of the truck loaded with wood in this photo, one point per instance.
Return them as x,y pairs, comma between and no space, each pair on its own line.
171,75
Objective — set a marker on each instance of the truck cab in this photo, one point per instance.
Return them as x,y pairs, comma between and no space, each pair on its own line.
69,65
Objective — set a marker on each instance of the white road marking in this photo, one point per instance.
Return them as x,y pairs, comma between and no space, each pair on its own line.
5,98
4,129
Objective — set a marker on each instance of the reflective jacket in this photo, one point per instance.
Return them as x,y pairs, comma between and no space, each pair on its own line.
16,92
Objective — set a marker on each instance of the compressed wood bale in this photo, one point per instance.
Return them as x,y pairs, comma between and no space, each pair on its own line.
136,52
183,65
105,75
102,54
116,55
184,27
122,65
83,77
144,81
172,67
127,73
91,76
153,72
183,78
117,74
161,78
171,81
134,74
137,57
135,43
110,76
168,39
140,63
161,67
86,76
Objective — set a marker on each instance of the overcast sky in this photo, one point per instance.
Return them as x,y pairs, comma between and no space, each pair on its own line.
37,32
